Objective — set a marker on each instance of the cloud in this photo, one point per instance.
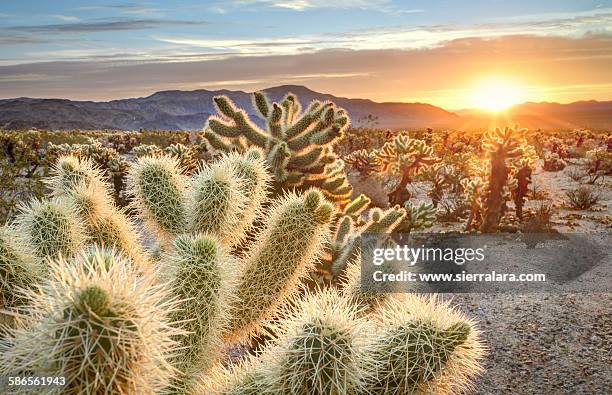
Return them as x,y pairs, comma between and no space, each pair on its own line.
65,18
106,25
18,39
550,68
125,8
301,5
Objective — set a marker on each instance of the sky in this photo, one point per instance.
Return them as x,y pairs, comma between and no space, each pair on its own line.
385,50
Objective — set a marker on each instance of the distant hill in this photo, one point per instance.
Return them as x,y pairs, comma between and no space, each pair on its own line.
189,110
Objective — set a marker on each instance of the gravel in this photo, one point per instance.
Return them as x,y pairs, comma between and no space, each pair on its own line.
544,343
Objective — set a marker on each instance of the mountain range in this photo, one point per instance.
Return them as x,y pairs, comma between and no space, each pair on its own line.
189,110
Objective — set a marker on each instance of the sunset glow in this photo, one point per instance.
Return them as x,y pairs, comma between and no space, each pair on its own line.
496,94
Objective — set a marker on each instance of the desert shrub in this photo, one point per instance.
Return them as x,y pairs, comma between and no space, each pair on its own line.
582,198
22,165
576,174
553,162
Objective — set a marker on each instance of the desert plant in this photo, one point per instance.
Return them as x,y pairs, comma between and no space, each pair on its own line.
282,254
298,145
97,323
51,227
417,218
157,187
19,270
576,174
202,274
319,347
582,198
553,162
422,346
501,146
521,170
599,164
404,157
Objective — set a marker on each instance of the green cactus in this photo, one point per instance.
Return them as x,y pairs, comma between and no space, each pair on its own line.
365,162
280,256
318,348
404,157
245,378
422,346
216,201
19,269
501,146
346,241
418,217
70,172
51,227
157,186
298,145
97,323
200,272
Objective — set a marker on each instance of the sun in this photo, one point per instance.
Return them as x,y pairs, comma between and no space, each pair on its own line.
496,94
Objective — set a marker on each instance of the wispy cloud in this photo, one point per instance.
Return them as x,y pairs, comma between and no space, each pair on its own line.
124,8
65,18
115,24
301,5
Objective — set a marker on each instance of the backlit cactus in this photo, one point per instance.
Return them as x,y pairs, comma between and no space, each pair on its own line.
215,202
319,347
157,186
280,256
96,323
404,157
203,276
51,227
298,145
501,146
417,218
19,270
422,346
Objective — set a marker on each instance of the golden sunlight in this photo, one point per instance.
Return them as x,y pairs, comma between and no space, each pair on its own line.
496,94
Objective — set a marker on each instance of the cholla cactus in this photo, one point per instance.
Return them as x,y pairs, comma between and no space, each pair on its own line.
553,162
298,145
319,346
599,163
51,227
365,162
158,186
501,146
19,270
521,170
418,217
97,323
404,157
281,255
422,346
202,274
346,241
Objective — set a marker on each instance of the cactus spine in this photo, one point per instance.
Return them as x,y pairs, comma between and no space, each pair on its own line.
98,324
422,346
19,270
51,227
201,274
281,254
318,350
157,186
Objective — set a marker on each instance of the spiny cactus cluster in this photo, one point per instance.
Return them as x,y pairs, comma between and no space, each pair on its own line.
344,243
330,345
97,323
111,316
504,177
298,145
